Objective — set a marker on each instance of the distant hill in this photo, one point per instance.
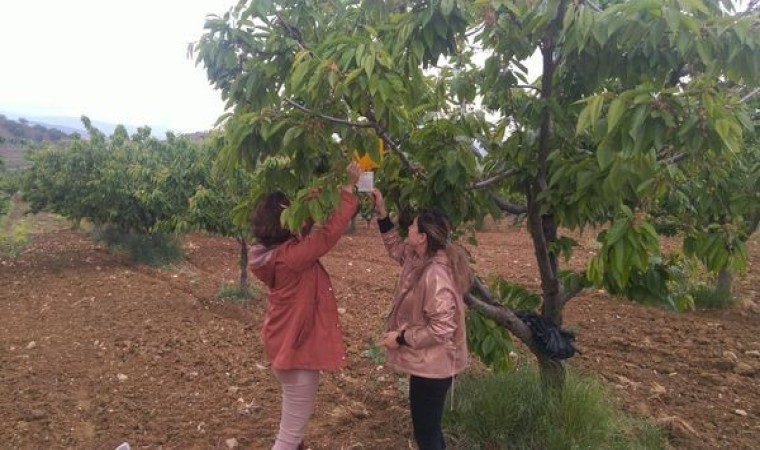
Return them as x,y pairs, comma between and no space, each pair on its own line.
18,134
23,129
70,125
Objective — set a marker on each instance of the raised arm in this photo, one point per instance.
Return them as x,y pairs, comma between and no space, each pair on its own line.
394,245
318,243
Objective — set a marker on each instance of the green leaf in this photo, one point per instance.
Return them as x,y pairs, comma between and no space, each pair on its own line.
635,131
352,75
724,129
618,229
590,114
617,108
368,63
299,73
359,54
290,135
447,6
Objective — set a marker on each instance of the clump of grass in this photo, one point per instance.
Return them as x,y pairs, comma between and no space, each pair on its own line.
150,249
14,238
514,410
374,353
237,293
15,228
712,297
5,204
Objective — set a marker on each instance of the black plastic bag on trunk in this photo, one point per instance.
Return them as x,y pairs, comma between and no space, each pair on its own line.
551,339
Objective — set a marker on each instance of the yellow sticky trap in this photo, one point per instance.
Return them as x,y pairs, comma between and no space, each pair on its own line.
365,162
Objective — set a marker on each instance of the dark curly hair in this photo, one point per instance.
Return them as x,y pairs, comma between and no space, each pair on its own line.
266,226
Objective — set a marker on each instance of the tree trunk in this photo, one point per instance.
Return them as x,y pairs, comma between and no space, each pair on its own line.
543,231
243,263
725,281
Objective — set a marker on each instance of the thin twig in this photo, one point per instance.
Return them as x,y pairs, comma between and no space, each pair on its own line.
593,6
750,8
329,118
674,159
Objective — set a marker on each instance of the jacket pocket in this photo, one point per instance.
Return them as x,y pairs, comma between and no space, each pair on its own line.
304,328
410,356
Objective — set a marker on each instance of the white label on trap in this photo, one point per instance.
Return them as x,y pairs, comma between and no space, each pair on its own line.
366,182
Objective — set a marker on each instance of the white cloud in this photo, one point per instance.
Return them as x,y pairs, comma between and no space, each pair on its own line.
113,61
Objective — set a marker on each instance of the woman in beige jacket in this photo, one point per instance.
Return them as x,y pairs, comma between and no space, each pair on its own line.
425,333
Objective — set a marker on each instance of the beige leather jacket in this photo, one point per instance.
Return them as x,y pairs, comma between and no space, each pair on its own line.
428,306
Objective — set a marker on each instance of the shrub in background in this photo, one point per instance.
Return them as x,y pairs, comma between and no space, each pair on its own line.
237,293
150,249
712,297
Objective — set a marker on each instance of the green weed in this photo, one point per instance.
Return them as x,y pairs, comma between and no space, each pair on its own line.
514,410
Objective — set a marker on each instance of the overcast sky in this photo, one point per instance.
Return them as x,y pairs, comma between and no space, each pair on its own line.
114,61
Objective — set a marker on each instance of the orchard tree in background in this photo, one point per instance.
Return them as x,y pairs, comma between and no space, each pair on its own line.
715,205
4,197
133,184
629,93
215,202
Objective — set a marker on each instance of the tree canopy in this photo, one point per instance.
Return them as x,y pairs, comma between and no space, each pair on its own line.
632,96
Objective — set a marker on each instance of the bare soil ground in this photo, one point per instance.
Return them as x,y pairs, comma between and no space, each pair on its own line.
95,351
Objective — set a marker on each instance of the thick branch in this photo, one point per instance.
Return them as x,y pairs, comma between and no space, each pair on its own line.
508,207
678,157
329,118
494,179
390,143
387,140
476,152
548,46
292,31
747,97
482,290
549,281
543,227
504,317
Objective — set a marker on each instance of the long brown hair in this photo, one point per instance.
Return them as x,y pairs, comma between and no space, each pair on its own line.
265,220
437,227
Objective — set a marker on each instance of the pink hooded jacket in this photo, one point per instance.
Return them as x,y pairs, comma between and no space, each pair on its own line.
429,308
301,329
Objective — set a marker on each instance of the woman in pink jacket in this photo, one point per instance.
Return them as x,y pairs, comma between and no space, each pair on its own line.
301,332
425,332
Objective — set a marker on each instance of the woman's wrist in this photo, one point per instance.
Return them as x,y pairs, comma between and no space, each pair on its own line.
384,224
348,188
400,340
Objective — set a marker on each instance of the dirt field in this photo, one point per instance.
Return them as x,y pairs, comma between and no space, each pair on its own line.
95,351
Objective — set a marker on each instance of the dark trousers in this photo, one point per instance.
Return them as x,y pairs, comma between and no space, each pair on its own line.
426,400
